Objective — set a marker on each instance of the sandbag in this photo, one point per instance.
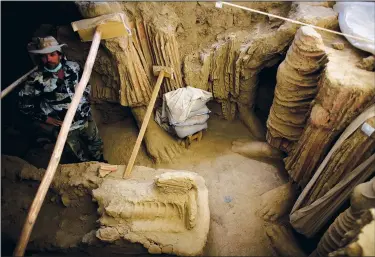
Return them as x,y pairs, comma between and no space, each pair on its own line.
202,111
196,120
178,104
357,19
185,131
163,122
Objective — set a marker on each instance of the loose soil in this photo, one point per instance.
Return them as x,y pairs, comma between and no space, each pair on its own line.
234,182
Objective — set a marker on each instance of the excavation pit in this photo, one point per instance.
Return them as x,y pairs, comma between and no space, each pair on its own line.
238,58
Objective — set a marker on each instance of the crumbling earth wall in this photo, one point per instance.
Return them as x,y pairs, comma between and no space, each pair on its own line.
223,56
230,67
163,34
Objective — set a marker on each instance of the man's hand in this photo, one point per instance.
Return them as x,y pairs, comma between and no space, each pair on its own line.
53,122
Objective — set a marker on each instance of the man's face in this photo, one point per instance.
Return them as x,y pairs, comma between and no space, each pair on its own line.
51,60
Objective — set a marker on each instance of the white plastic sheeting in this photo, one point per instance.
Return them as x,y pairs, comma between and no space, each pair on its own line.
178,104
358,19
184,111
189,130
195,120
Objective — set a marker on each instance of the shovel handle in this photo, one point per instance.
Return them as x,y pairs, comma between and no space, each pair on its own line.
142,131
57,151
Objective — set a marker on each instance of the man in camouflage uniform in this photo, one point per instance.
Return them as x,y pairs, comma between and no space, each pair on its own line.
46,96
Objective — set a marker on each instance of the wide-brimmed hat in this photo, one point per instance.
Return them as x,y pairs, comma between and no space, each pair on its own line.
46,45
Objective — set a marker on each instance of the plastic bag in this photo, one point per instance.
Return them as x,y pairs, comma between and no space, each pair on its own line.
357,19
178,104
202,111
196,120
200,119
163,122
185,131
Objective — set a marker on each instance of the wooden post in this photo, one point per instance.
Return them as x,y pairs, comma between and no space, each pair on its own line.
57,151
142,131
16,83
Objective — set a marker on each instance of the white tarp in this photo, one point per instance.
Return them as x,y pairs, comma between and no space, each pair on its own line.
358,19
178,104
190,126
185,131
195,120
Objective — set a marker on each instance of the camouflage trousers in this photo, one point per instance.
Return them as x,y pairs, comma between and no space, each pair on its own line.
84,143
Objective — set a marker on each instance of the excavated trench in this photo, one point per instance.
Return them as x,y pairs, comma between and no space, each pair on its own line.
212,157
212,58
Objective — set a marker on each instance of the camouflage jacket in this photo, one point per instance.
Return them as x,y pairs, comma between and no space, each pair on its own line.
44,94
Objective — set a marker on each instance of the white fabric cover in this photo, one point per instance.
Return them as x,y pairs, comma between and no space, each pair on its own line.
185,131
357,19
178,104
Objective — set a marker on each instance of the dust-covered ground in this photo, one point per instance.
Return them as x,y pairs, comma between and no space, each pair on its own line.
235,182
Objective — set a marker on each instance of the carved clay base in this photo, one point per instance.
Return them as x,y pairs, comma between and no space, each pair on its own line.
166,212
168,215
